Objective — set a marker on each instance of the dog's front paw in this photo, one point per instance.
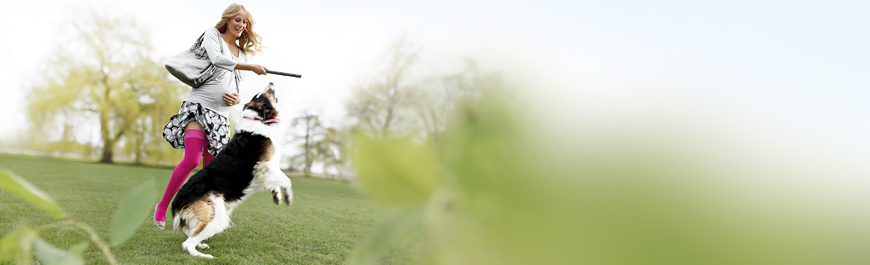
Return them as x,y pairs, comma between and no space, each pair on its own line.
282,195
277,196
191,249
288,195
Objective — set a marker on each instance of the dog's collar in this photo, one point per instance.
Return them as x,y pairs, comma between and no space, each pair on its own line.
264,121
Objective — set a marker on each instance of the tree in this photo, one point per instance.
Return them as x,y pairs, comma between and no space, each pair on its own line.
436,99
313,129
329,150
159,98
105,77
381,106
318,143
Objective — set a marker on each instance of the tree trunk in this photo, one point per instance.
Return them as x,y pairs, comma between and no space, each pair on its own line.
307,147
107,154
108,143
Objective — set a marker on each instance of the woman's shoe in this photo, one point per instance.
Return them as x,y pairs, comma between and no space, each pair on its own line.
156,223
159,224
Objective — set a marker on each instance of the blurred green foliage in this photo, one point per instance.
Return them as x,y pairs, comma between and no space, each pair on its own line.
14,184
131,209
52,255
18,245
500,192
397,172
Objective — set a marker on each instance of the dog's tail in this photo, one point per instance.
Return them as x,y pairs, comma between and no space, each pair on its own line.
177,223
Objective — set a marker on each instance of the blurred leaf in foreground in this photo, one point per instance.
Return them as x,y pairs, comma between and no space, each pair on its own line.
396,172
509,194
51,255
132,209
17,185
17,245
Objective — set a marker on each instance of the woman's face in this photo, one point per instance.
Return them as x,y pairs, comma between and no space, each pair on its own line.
237,24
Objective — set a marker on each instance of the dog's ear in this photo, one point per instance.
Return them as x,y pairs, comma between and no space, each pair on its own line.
251,104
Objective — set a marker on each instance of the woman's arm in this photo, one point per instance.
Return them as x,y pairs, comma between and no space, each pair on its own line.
256,68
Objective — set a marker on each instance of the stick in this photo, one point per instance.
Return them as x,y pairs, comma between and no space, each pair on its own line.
283,73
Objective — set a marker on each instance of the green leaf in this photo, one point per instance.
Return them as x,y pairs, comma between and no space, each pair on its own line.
17,245
80,247
484,146
131,210
51,255
396,172
388,229
17,185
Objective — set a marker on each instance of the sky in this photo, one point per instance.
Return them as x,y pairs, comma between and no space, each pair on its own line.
767,70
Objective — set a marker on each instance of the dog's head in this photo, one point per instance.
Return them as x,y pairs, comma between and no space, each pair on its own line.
262,107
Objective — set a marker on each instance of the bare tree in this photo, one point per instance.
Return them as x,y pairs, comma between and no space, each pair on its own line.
312,131
330,151
437,98
381,106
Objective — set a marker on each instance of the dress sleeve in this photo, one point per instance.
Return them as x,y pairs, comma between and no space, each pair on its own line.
212,44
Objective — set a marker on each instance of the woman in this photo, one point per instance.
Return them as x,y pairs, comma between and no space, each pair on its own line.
201,126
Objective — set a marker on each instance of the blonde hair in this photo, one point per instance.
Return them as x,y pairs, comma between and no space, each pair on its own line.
250,41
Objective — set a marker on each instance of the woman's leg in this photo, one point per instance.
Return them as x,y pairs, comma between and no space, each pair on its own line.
206,156
193,146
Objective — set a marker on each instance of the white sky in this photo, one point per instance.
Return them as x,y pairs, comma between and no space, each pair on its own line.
798,67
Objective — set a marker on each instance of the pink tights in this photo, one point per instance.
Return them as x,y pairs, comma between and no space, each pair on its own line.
195,146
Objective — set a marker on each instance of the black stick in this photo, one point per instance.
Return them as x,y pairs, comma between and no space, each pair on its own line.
283,73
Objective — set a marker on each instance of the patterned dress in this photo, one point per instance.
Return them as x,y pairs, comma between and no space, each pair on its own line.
216,126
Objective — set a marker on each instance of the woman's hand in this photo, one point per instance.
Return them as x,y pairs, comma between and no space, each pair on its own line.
256,68
231,99
259,69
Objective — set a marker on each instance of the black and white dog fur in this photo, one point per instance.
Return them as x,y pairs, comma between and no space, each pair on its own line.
249,163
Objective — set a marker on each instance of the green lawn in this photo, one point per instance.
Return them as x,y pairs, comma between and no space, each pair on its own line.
326,220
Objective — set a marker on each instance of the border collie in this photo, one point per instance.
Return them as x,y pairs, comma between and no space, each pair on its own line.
249,163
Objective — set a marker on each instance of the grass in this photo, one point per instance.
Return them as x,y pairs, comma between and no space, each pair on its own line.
322,226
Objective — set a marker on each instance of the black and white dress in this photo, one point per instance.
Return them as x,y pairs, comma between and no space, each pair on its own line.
216,126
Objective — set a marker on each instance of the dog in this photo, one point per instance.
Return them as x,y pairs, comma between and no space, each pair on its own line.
249,163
